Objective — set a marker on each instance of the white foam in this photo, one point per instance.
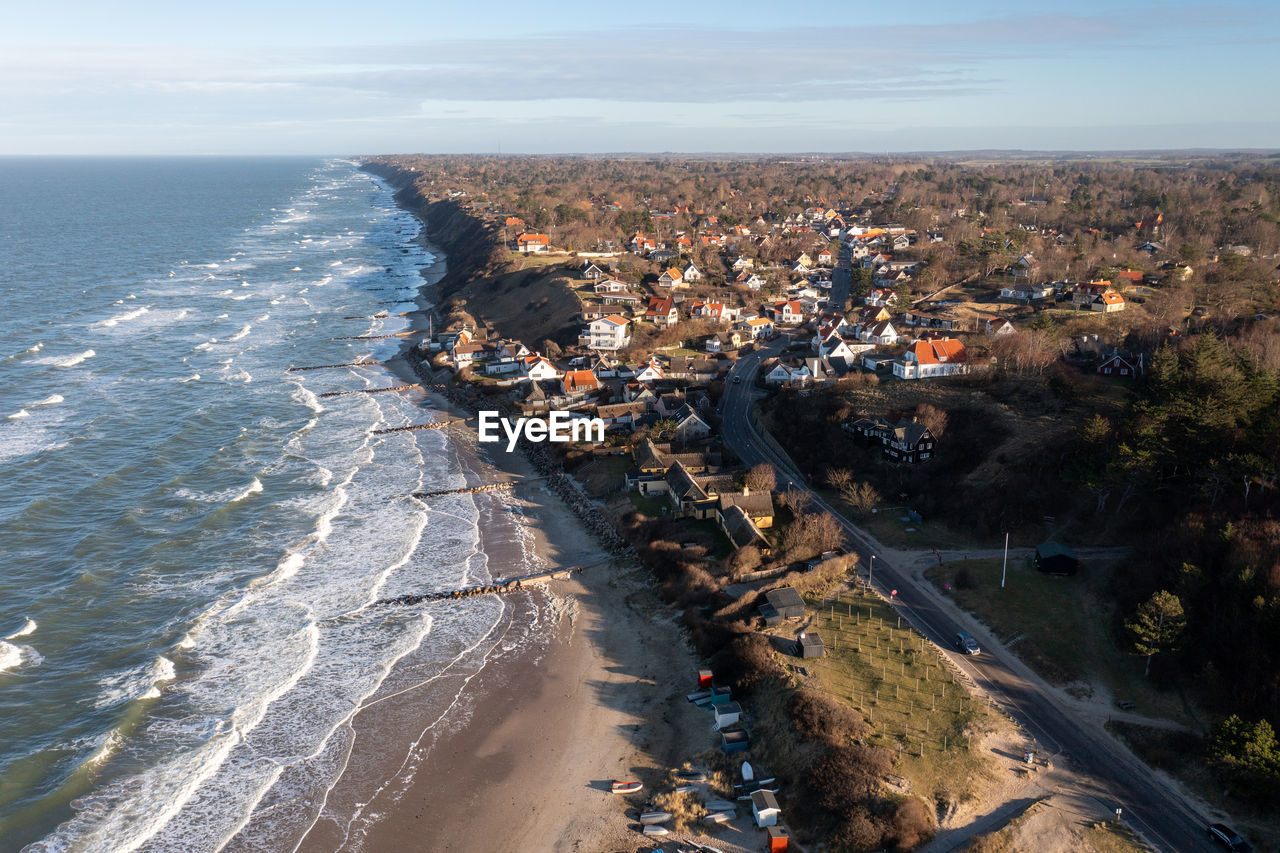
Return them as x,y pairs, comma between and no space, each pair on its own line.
120,318
28,628
252,489
241,297
192,378
21,413
67,360
141,683
51,400
244,330
10,656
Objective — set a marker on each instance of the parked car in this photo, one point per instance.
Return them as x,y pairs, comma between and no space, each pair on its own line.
966,643
737,379
1228,838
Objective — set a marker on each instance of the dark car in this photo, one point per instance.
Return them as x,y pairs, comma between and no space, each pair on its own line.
737,379
1228,838
966,643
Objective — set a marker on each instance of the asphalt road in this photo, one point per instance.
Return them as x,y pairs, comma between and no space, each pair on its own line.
1105,769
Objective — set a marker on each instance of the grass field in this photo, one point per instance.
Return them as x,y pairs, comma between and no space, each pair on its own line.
901,685
1061,626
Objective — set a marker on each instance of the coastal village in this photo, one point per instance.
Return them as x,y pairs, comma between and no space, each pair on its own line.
880,364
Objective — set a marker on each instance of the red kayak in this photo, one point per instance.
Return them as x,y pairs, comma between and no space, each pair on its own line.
626,787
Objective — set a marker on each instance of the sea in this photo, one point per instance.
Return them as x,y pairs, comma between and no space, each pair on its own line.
195,538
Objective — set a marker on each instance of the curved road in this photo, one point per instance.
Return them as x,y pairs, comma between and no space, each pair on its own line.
1105,770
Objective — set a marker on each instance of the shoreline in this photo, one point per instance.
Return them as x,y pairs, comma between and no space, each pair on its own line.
489,773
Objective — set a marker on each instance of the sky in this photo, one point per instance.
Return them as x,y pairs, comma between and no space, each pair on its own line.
84,77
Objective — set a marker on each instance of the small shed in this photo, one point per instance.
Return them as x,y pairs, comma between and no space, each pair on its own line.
778,838
704,678
726,714
1054,558
811,645
734,740
787,602
764,808
770,615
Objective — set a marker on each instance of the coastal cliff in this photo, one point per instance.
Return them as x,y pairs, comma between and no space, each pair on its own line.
473,247
481,279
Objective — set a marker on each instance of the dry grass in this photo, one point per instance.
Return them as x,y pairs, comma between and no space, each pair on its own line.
910,696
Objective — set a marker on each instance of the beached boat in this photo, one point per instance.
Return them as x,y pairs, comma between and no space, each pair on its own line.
684,789
718,805
691,776
626,787
653,818
656,830
719,817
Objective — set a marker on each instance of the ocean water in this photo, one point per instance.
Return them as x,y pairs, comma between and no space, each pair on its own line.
192,535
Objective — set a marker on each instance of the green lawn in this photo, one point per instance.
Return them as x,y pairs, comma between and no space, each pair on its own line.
903,688
654,506
1061,626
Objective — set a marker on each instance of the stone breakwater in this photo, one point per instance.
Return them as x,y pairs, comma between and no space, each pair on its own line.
543,461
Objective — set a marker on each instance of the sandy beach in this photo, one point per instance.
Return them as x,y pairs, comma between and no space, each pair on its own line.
584,683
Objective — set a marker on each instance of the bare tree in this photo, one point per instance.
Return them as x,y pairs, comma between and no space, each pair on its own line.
760,478
933,418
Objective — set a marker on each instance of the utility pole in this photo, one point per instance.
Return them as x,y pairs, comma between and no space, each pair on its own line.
871,571
1005,569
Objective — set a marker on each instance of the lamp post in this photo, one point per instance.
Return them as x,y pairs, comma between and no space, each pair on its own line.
1004,570
871,571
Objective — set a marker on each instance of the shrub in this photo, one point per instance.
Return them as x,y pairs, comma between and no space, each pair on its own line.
747,662
817,716
911,824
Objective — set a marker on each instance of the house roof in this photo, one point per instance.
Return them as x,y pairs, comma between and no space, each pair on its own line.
682,484
938,351
580,380
614,319
534,239
755,504
742,531
784,596
1054,549
1111,298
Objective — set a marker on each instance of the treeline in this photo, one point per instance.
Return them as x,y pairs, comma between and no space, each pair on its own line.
1194,462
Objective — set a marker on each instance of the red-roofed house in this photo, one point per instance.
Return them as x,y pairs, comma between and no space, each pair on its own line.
924,359
533,243
672,278
576,384
788,312
661,312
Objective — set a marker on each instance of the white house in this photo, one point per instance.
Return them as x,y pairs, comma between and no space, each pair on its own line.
882,332
610,285
609,333
692,273
758,327
924,359
537,368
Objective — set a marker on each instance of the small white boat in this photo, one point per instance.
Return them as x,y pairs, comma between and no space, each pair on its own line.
720,805
747,773
654,818
719,817
626,787
656,830
684,789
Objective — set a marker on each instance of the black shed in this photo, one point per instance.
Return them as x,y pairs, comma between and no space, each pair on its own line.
1054,558
787,602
